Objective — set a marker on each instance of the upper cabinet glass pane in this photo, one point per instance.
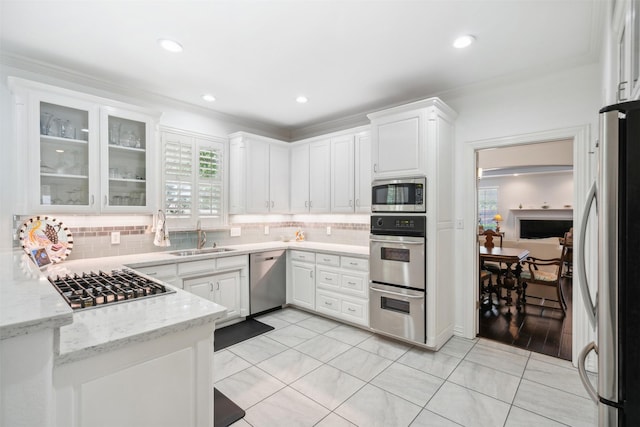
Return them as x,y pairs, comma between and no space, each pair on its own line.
64,156
127,133
127,162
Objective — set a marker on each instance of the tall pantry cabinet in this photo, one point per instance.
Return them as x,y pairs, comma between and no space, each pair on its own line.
417,139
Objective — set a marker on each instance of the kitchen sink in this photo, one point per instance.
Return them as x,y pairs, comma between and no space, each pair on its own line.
190,252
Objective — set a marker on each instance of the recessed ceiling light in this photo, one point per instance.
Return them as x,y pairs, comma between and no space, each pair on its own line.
463,41
208,97
302,100
170,45
59,151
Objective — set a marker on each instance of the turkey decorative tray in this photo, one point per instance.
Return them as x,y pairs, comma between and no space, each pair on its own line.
46,239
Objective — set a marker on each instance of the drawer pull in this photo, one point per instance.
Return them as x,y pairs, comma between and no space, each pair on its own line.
351,309
326,259
152,274
328,303
353,263
328,279
351,283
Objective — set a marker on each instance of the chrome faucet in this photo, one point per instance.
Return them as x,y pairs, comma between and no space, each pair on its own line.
202,236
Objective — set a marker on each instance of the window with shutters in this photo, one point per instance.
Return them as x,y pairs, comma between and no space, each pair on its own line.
193,180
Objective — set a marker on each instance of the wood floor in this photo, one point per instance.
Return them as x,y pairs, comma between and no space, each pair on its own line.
538,329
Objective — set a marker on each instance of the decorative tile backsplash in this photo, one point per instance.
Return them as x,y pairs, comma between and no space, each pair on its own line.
95,241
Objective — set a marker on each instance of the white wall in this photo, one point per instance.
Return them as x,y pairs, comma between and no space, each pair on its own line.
532,191
560,100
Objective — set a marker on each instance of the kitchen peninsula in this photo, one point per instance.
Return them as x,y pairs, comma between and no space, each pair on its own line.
91,367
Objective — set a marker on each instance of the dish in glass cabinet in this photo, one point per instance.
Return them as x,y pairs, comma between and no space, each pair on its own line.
44,232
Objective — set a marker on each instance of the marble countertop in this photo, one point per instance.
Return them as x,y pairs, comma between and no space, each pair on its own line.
29,303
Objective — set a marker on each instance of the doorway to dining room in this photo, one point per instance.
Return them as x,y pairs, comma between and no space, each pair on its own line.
525,194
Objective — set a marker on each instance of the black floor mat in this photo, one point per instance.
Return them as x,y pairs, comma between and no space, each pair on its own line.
239,332
225,412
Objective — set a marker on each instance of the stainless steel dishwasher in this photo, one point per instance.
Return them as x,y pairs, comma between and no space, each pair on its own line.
267,281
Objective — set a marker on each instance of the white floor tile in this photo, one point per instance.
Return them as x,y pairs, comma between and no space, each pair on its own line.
360,363
241,423
411,384
556,376
372,406
323,347
495,358
328,386
385,347
292,315
553,360
286,407
504,347
248,387
558,405
318,324
292,335
289,365
435,363
257,349
458,347
468,407
349,334
489,381
226,363
430,419
521,418
274,321
333,420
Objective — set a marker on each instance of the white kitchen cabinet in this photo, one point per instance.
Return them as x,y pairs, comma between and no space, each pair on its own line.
342,174
73,163
223,280
311,177
626,22
399,143
303,281
362,184
165,273
300,178
226,292
262,164
126,164
342,288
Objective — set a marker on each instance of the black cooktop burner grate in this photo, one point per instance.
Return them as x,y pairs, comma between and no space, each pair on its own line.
88,290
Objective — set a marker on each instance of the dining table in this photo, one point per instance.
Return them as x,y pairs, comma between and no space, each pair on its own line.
509,278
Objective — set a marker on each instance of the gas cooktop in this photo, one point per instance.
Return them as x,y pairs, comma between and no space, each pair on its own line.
88,290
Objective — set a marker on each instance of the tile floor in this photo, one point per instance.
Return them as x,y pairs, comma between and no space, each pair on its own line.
312,371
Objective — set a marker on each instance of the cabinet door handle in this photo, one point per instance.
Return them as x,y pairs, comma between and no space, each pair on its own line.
328,303
375,167
217,286
351,283
351,309
621,89
311,274
272,204
328,279
350,203
105,200
353,263
310,204
358,202
306,204
211,286
266,204
92,199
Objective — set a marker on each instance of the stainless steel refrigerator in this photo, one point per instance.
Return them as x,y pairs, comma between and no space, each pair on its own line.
616,311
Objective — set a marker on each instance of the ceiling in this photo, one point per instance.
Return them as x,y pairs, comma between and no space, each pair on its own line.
348,57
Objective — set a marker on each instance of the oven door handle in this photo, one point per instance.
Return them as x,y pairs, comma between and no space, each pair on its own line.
395,293
397,242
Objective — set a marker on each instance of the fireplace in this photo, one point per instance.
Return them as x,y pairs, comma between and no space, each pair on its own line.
544,228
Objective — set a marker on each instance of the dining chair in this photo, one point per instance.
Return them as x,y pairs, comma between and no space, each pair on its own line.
492,267
532,274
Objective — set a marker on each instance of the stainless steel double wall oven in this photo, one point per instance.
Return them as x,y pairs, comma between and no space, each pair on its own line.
397,251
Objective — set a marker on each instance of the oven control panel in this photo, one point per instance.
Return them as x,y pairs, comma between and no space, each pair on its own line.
408,225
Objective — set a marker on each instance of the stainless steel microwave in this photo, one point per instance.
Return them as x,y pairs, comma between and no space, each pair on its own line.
399,195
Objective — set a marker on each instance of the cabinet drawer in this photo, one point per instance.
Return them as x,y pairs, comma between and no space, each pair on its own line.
326,259
303,256
327,302
187,268
224,263
354,284
354,310
329,279
355,263
159,271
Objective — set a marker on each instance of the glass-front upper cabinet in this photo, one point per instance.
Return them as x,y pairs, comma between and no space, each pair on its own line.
66,157
125,160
